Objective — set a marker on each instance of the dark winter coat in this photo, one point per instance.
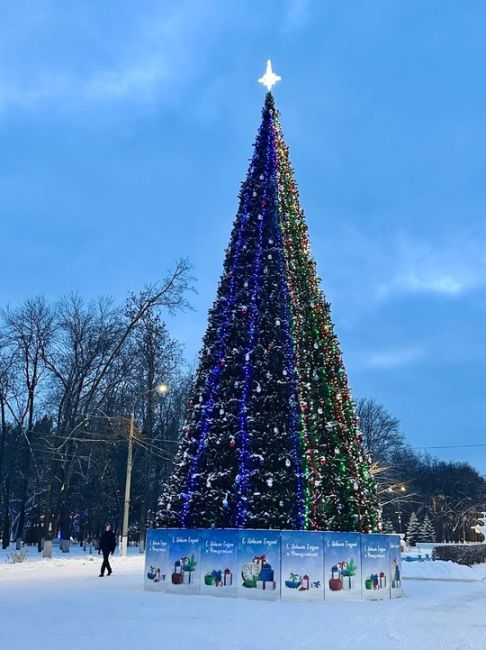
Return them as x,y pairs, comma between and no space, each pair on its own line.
107,541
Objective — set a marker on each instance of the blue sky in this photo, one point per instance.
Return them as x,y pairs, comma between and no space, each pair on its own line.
126,128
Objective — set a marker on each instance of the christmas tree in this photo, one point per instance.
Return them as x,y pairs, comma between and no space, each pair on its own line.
413,530
271,438
426,532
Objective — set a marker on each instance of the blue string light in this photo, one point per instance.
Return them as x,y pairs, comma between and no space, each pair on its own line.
213,378
243,452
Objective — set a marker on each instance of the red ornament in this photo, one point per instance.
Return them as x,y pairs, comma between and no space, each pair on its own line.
221,362
232,443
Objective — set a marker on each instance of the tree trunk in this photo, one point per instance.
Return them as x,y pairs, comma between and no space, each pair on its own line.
6,515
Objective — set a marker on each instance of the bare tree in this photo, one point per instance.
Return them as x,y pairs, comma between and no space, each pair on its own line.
94,360
27,332
157,357
7,356
380,429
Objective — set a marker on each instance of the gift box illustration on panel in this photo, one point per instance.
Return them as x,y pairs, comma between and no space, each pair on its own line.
219,578
177,577
375,581
395,575
227,578
183,572
266,578
155,575
258,574
343,576
151,573
301,583
294,581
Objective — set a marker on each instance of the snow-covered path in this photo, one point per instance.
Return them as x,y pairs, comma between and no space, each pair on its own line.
61,603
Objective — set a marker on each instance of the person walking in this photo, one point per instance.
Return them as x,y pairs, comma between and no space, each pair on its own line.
107,546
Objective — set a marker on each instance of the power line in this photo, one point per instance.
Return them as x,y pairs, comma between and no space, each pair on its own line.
481,444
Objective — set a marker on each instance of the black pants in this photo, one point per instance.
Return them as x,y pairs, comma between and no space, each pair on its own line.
106,563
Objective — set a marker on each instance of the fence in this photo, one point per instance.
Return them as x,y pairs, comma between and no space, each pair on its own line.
271,564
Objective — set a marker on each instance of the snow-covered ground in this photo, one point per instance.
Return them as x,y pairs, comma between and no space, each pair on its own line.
61,603
440,570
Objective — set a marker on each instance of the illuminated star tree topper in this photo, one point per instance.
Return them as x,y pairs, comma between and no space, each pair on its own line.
269,79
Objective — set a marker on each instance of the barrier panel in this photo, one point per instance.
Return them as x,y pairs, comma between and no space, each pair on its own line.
302,565
396,588
157,559
270,564
375,565
219,562
259,564
342,564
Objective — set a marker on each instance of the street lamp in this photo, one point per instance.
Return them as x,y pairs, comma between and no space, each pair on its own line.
398,491
162,389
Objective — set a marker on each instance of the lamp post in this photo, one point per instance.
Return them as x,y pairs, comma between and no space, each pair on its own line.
399,490
399,511
162,389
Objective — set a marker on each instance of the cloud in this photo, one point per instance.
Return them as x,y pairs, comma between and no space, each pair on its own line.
140,81
449,267
74,61
426,282
394,358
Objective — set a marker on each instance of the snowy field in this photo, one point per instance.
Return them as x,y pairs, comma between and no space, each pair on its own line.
61,603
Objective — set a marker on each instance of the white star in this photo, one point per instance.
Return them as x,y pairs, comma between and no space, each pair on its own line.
269,79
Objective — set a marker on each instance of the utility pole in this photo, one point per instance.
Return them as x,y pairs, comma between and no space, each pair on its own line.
128,484
162,389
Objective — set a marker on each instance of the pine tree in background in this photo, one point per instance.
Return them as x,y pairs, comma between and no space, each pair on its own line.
413,530
426,532
271,438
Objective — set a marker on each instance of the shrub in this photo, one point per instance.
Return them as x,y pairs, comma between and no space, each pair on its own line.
461,553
